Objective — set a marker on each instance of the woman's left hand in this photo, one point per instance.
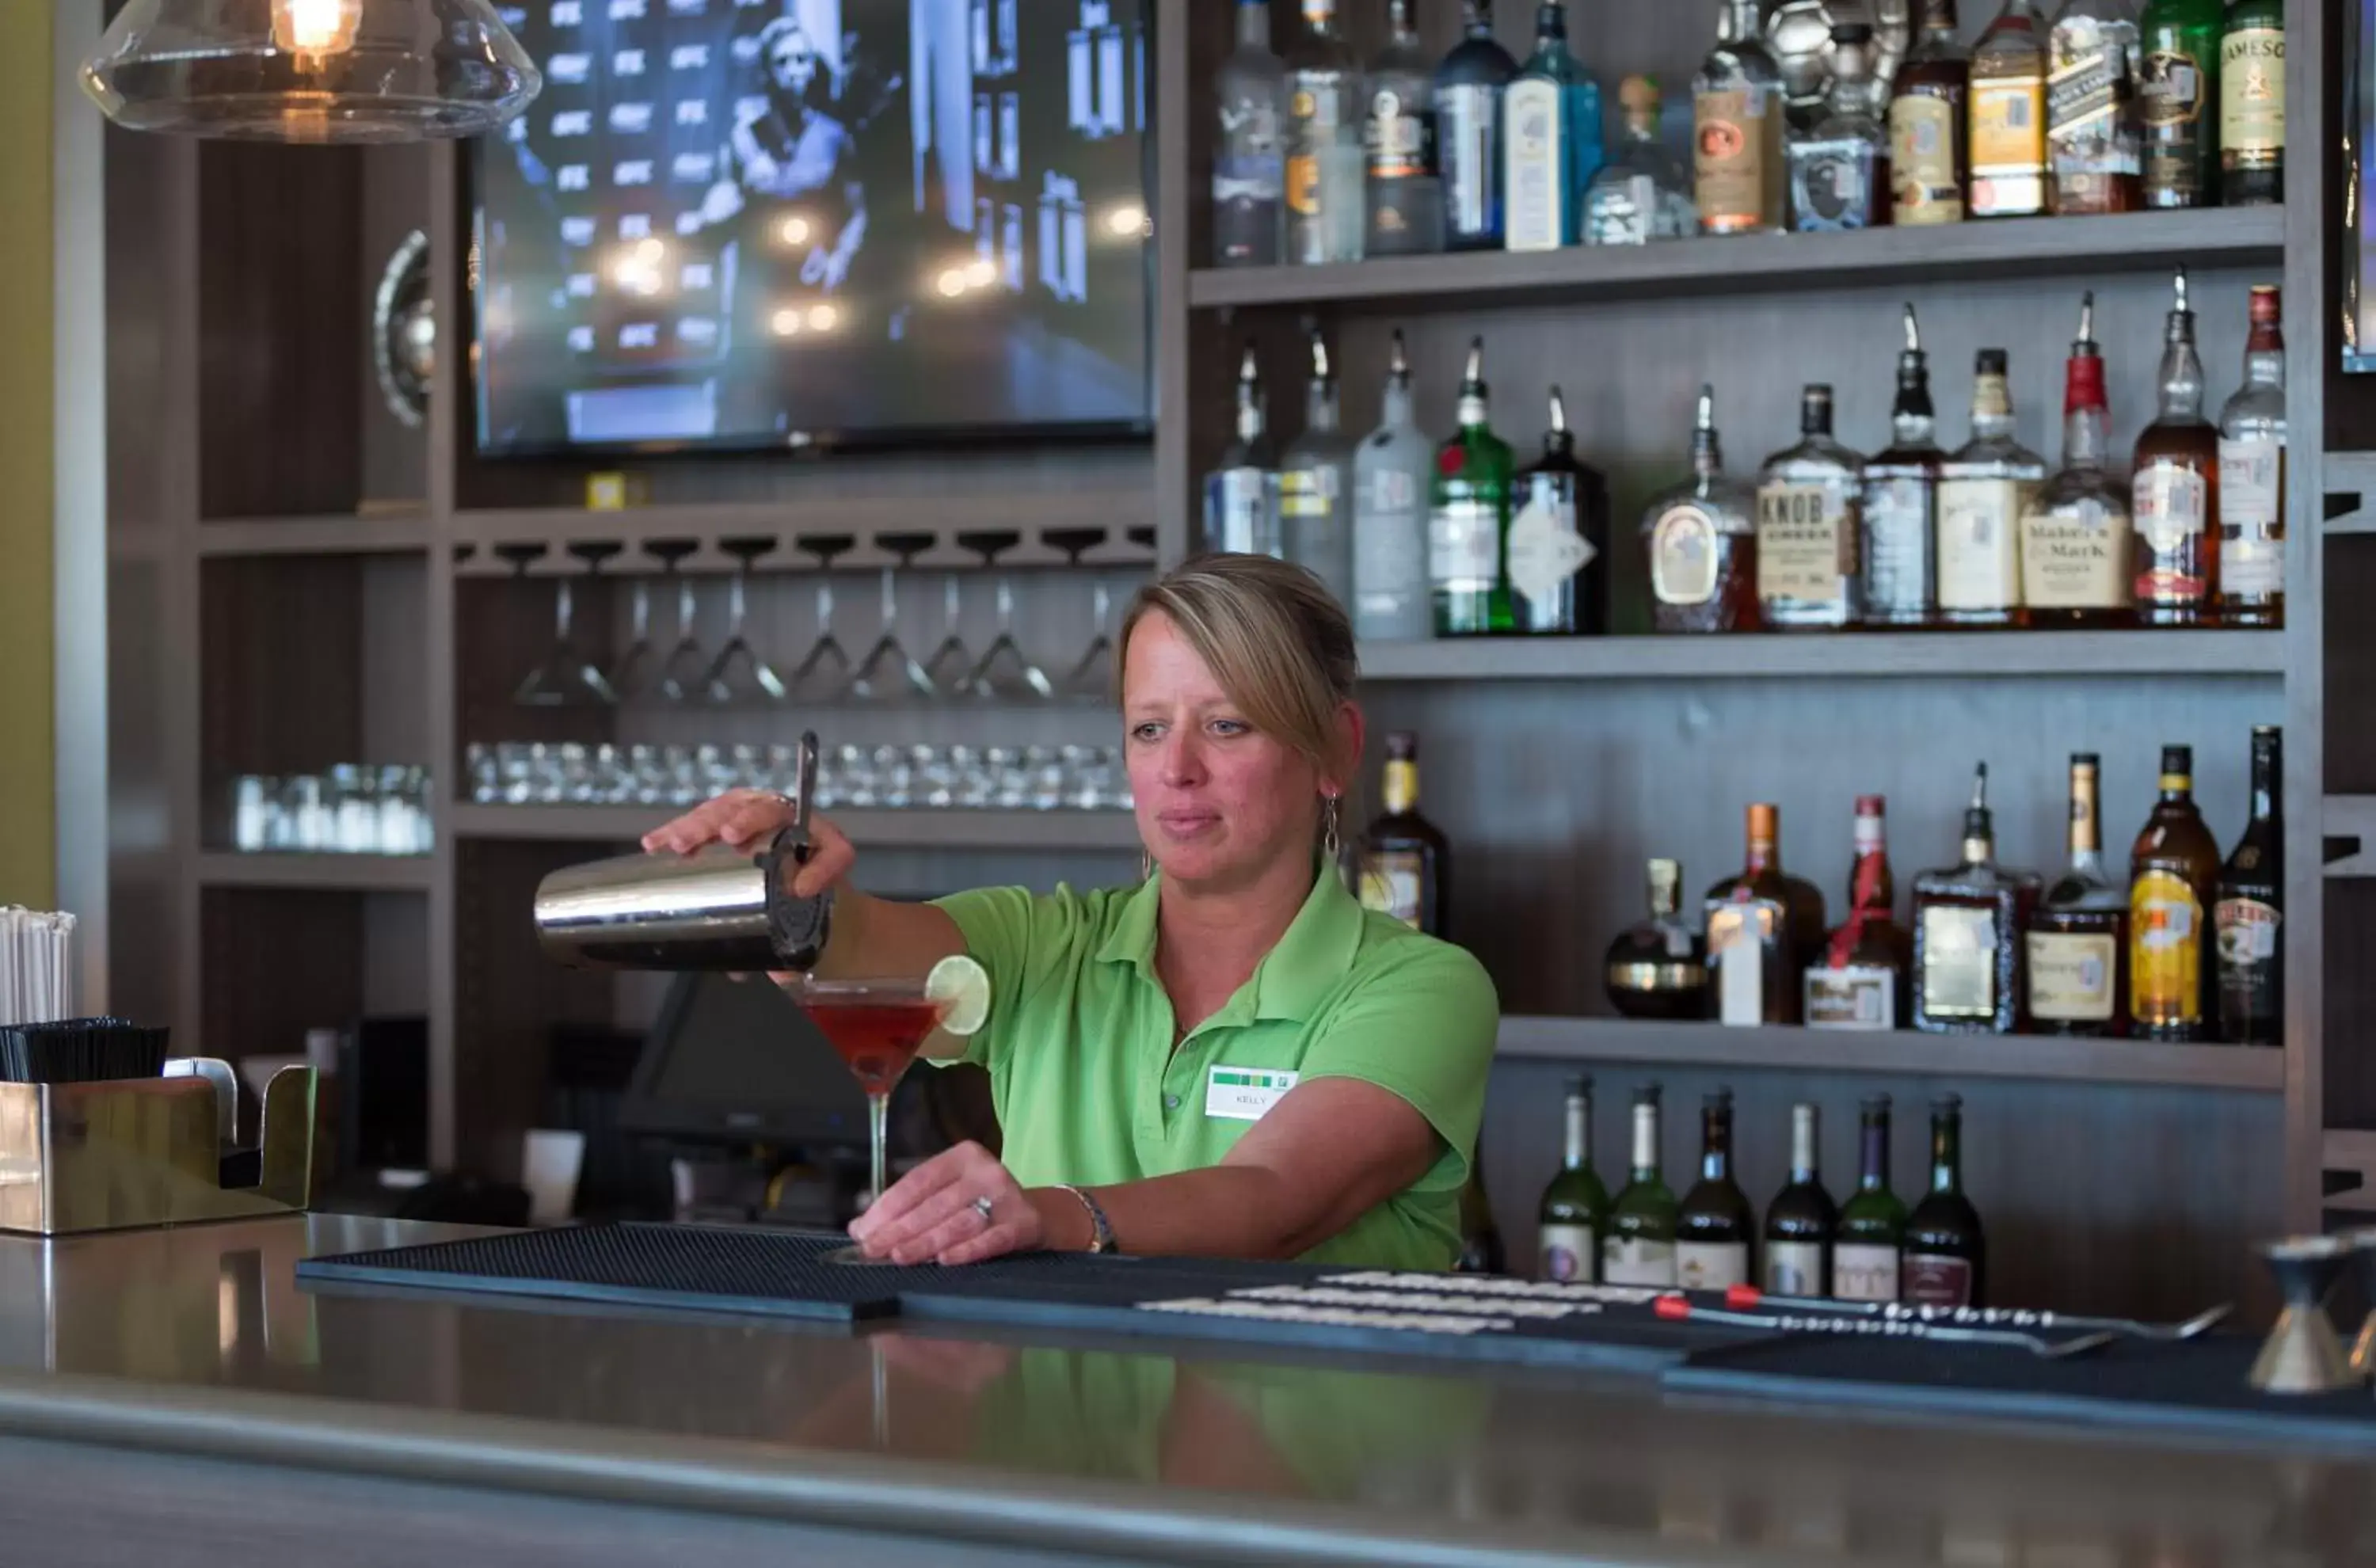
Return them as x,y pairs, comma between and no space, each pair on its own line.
934,1213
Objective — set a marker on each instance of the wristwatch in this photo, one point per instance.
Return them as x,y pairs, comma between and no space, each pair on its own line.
1101,1235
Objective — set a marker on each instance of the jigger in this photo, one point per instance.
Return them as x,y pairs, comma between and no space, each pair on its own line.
2303,1355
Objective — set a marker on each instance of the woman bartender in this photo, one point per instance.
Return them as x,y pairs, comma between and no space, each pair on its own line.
1231,1058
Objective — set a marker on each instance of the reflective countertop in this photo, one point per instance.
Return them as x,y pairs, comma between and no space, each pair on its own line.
199,1340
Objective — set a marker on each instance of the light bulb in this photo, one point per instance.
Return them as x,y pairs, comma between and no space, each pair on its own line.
795,231
787,323
316,27
982,273
824,318
953,282
1126,221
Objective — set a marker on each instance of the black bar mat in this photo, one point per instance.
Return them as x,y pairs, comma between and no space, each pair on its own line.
2197,1386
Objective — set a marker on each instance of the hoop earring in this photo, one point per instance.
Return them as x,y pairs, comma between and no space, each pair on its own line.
1146,866
1332,844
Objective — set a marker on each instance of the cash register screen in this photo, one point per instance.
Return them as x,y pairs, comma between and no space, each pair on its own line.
737,1059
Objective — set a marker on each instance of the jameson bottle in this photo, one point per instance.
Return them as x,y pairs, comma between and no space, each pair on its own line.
1945,1262
1872,1223
2252,105
1392,471
1639,1247
2250,916
1575,1206
2173,884
1469,517
1714,1230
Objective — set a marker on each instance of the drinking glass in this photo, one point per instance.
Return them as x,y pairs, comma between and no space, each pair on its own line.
824,675
952,661
875,1026
680,675
758,683
1091,678
1002,672
889,673
567,678
632,676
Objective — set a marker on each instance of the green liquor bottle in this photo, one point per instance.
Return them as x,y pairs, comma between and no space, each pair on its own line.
2253,104
1639,1246
1468,518
1574,1211
2181,91
1872,1223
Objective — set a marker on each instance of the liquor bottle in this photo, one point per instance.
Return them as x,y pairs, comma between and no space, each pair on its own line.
1738,111
1315,485
1468,88
2091,108
1468,516
1403,856
2078,939
2176,489
2251,914
1699,543
1809,510
1858,979
1638,1248
1985,491
2253,104
1324,215
1967,943
2173,889
1642,193
1552,144
1714,1229
2074,536
1404,193
1480,1240
1393,469
1763,925
2008,116
1574,1211
1839,167
2179,92
1242,491
1559,540
1658,968
1250,161
1945,1259
1901,501
1872,1223
1929,137
2252,495
1801,1222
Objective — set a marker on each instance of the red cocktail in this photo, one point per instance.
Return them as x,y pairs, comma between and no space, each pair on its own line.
876,1037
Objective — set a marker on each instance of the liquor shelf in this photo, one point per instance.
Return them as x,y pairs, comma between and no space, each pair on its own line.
1791,1049
322,874
382,533
875,828
1771,263
1752,656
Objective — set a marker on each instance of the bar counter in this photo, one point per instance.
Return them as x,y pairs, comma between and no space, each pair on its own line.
174,1396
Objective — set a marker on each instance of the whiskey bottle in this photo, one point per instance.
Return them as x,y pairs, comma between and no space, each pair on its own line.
1945,1260
1761,927
1699,543
1469,517
2173,885
1315,485
1393,469
1872,1223
1250,160
2008,115
2250,914
2074,537
1809,502
1967,924
1324,216
1985,489
1403,194
1858,979
1468,88
1574,1210
1714,1229
1642,193
1738,111
1802,1222
2253,104
1559,540
2252,492
1839,167
1929,137
1551,144
1403,856
1242,492
1657,968
1901,501
2175,484
1639,1245
2078,939
2091,108
2178,96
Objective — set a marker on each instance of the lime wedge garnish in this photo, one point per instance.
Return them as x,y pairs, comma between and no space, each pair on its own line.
962,988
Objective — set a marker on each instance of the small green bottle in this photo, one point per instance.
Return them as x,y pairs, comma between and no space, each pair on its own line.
2180,94
1639,1246
1468,518
1872,1223
1574,1211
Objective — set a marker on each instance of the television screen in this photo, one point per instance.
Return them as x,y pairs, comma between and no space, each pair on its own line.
772,223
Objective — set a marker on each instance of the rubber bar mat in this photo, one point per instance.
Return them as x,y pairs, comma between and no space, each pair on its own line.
2198,1385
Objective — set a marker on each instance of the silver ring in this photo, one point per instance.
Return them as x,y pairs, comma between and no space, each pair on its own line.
983,1206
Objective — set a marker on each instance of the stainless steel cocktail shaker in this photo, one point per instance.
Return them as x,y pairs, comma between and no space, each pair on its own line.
720,908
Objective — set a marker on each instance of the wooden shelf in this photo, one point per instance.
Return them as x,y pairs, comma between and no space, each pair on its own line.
2353,1153
321,873
1771,263
952,829
2350,492
383,534
2351,817
1789,1049
1806,655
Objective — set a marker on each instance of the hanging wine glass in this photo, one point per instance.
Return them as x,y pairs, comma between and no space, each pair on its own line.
739,675
632,677
952,661
824,675
889,673
1091,678
682,672
566,678
1004,672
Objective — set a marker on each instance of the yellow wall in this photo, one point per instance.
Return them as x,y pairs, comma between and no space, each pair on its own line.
28,792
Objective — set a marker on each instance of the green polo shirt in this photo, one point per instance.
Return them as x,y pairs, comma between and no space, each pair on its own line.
1090,1092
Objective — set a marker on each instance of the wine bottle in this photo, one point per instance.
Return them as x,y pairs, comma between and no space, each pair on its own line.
1872,1225
1575,1206
1799,1226
1945,1258
1713,1232
1639,1247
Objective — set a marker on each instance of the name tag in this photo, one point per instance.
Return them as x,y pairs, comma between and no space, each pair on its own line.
1245,1094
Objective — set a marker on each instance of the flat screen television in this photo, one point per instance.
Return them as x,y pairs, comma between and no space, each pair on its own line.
771,224
2359,173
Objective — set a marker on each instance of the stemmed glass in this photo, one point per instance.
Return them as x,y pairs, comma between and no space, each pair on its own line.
760,684
1091,677
889,670
824,675
1003,672
681,676
951,662
631,677
566,678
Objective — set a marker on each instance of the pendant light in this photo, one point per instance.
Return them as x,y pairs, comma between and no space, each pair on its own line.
311,70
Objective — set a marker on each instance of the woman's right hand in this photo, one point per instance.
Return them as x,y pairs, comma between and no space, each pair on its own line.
748,819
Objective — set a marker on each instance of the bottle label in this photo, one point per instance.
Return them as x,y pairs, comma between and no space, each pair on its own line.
1737,934
1309,492
1854,996
1931,1280
1564,1253
1711,1265
1468,120
2075,556
2071,976
1733,142
1464,539
2252,97
1804,550
1398,139
1831,183
1390,554
1538,193
1980,542
1683,556
1238,514
2085,132
1391,883
1863,1271
1634,1259
2165,950
1898,531
2249,931
2172,509
1546,547
2172,90
1794,1269
1922,161
2008,126
2252,517
1959,962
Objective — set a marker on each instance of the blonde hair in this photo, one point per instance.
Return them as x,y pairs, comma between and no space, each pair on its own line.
1272,636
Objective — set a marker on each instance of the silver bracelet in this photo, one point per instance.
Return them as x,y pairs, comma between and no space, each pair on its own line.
1101,1235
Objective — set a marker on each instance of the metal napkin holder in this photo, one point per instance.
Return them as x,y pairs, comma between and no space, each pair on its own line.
131,1153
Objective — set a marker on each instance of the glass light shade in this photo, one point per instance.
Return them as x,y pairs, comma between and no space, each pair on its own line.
311,70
